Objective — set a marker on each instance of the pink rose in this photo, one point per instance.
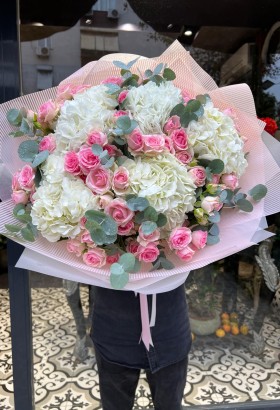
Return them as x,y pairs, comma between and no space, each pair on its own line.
15,183
99,180
135,141
215,178
179,238
126,229
230,181
71,163
180,139
87,160
119,211
95,257
97,137
110,259
48,143
120,113
169,145
186,96
75,246
113,151
132,246
122,96
211,203
144,239
185,254
154,143
199,238
172,124
113,80
148,253
30,115
85,237
120,182
47,113
26,178
20,197
199,175
83,221
67,91
104,200
184,156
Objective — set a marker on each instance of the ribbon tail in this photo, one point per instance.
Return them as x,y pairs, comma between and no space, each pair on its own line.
146,331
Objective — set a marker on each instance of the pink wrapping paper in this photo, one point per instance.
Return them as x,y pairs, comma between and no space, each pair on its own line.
238,230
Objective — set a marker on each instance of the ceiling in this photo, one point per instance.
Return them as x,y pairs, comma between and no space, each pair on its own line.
221,25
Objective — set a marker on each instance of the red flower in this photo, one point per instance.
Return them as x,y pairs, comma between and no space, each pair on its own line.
271,126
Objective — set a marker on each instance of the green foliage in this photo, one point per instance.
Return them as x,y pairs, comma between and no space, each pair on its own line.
28,150
137,203
14,117
148,227
40,158
125,125
187,113
102,228
120,270
258,192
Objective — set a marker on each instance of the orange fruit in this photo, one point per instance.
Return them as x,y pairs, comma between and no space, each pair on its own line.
225,322
244,329
235,330
225,316
226,327
220,332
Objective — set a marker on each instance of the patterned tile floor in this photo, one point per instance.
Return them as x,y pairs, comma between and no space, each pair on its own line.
220,370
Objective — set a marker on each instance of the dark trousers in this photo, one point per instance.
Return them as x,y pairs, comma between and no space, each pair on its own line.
118,384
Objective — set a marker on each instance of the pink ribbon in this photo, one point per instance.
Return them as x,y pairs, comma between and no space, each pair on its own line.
146,330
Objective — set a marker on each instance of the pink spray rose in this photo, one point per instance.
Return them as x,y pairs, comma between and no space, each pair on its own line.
75,246
113,151
26,178
99,180
95,257
104,200
179,238
211,203
122,96
215,178
148,253
110,259
119,211
169,145
86,237
132,246
67,91
135,141
48,143
15,183
152,237
172,124
230,181
120,113
154,143
185,254
199,239
97,137
47,113
20,197
71,163
199,175
184,156
113,80
180,139
126,229
87,160
120,182
186,96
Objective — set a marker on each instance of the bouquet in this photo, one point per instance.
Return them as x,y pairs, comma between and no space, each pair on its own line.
133,172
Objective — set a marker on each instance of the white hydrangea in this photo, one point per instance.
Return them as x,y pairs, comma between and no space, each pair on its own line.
53,169
214,136
150,105
90,110
165,182
58,208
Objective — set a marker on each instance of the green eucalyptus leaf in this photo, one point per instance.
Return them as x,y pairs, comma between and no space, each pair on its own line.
223,195
216,166
104,155
244,205
239,196
166,264
258,192
28,150
229,195
38,177
96,149
119,141
158,69
169,74
16,134
19,209
162,220
127,261
121,65
96,216
148,227
195,107
137,267
214,230
118,277
121,160
40,158
148,73
137,204
157,79
112,88
201,98
27,234
179,109
109,226
212,239
14,117
109,163
132,62
151,214
130,82
215,218
139,217
13,228
187,117
25,127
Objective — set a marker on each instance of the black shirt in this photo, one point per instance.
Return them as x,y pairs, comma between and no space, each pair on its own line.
117,328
